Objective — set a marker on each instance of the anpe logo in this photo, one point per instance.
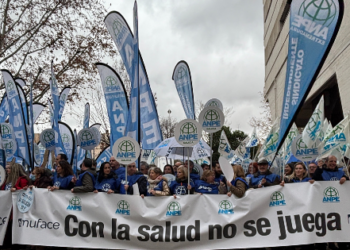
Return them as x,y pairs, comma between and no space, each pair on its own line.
277,199
111,84
213,104
321,12
10,89
126,149
188,131
211,119
75,204
331,194
174,209
120,32
225,207
65,138
49,136
6,131
123,208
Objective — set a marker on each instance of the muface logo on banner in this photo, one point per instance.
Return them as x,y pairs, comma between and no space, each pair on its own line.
88,139
2,175
302,152
47,138
214,103
75,204
277,199
126,150
331,194
225,207
173,209
123,208
212,119
188,132
25,200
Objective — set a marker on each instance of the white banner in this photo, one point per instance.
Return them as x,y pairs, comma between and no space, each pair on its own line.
275,216
5,209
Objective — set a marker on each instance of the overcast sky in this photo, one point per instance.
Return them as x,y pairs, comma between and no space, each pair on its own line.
222,42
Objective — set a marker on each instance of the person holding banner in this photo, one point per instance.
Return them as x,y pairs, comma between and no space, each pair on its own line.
107,180
17,179
42,179
264,178
331,172
180,186
133,177
157,185
87,178
252,169
299,174
63,178
288,171
207,184
238,185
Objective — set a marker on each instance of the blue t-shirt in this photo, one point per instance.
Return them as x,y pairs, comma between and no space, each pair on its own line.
206,188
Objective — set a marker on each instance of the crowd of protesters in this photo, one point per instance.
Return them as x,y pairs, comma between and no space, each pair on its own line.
182,178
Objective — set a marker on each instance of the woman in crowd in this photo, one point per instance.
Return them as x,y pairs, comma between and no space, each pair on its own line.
168,169
288,171
16,177
157,185
107,180
299,174
207,184
180,186
252,169
42,180
63,176
238,185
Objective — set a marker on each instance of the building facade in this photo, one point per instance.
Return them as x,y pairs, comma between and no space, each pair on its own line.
333,79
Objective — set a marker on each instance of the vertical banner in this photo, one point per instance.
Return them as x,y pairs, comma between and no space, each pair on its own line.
37,109
31,124
82,152
75,153
104,156
121,35
24,103
183,84
313,28
68,140
59,149
116,101
4,109
17,116
63,98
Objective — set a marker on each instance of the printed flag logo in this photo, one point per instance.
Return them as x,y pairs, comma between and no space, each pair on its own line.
181,76
331,194
123,208
225,207
173,209
211,119
322,12
277,199
10,89
75,204
111,85
6,131
120,32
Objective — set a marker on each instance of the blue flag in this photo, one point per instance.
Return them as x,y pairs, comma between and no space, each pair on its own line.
313,28
17,116
82,152
75,154
104,156
59,149
116,101
183,84
63,98
24,103
4,109
123,38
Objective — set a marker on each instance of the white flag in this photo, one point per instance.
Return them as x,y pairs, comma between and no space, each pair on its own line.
241,150
253,142
225,149
314,125
270,145
287,145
